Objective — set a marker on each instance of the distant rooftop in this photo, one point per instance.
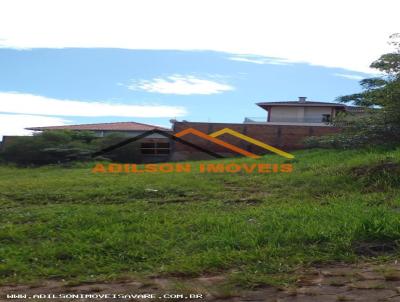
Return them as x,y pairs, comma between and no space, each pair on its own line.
301,102
119,126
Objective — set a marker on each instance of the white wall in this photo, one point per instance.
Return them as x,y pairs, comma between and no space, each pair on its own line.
317,111
298,114
282,114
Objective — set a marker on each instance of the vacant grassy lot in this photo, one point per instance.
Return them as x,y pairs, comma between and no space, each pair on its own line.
256,228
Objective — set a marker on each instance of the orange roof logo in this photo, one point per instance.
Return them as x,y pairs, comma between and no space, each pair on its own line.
213,138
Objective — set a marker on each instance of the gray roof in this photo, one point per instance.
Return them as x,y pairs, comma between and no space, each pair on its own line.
300,103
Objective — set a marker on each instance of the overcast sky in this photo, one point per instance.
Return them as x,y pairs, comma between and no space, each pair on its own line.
71,61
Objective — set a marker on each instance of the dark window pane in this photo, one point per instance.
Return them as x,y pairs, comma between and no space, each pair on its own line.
148,145
162,151
163,145
148,151
326,117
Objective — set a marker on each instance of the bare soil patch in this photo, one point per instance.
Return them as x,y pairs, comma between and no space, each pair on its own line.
339,282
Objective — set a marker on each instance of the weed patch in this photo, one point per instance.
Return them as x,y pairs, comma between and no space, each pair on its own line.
378,176
256,229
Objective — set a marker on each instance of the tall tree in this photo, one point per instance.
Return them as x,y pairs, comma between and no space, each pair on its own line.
381,98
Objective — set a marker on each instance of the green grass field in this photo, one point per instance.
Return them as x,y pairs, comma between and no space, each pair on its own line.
71,224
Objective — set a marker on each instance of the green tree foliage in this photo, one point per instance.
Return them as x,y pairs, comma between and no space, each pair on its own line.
50,147
380,125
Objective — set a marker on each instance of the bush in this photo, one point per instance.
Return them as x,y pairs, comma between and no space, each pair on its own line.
372,130
50,147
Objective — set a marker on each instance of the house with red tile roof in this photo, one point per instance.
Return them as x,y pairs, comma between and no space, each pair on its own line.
129,129
153,148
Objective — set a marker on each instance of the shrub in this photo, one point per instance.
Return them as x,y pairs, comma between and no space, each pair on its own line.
50,147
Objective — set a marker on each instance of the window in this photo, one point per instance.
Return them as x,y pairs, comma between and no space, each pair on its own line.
326,118
154,148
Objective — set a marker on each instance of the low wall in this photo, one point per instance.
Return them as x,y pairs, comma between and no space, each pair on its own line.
285,137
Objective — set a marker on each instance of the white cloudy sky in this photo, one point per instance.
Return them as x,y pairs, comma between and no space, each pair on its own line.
338,33
343,34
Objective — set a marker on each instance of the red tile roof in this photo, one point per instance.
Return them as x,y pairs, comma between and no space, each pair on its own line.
119,126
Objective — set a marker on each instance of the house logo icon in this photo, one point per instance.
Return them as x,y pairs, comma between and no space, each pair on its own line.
213,137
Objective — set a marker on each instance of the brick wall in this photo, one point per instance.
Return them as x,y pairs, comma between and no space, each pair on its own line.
284,137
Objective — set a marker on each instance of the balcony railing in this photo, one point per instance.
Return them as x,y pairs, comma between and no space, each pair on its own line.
311,120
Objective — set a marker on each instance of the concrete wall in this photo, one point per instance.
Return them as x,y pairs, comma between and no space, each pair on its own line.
284,137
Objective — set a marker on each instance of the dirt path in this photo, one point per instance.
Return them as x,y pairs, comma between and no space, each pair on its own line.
364,282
